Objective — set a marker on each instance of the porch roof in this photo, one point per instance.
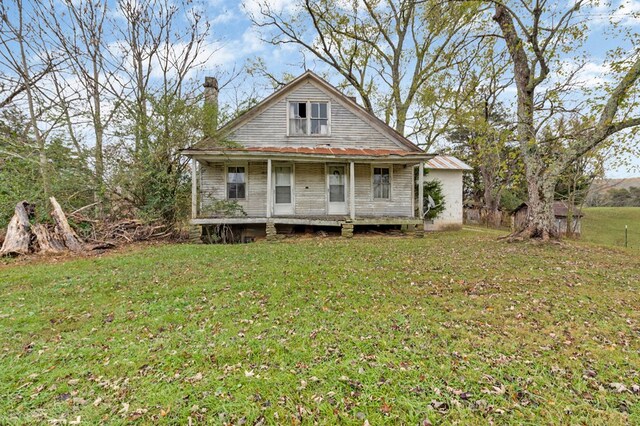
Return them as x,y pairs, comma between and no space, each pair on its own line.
308,153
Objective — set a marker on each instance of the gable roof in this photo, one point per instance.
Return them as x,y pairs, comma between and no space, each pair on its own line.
447,162
347,102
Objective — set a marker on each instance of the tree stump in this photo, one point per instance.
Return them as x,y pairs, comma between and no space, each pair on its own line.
18,238
47,241
62,228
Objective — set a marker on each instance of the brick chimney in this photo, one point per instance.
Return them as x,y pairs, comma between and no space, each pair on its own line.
211,98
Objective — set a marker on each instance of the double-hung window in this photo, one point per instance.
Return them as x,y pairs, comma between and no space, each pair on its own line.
298,118
308,118
236,183
381,183
319,118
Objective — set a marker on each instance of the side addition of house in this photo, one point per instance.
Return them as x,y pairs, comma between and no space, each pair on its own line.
306,155
448,170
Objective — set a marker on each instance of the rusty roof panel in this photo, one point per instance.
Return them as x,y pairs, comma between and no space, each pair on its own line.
325,150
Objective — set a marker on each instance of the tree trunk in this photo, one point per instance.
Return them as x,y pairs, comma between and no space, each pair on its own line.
18,238
99,134
33,117
491,197
540,216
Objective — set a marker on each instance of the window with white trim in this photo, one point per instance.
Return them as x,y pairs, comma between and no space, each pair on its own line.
308,118
298,118
236,183
381,183
319,118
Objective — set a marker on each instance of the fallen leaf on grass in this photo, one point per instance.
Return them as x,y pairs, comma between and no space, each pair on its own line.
196,378
618,387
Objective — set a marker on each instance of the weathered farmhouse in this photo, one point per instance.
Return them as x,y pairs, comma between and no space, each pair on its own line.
561,213
306,155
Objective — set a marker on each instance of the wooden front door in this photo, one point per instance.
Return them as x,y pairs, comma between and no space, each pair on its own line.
337,189
283,190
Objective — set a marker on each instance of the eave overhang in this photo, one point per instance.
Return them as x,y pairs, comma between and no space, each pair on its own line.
309,155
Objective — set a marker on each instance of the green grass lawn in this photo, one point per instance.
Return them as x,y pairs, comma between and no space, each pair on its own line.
605,225
456,327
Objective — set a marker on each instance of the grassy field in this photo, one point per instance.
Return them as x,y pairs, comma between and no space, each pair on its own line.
456,327
605,225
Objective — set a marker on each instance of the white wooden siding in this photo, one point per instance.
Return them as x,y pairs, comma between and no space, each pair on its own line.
401,192
310,188
269,128
213,186
452,191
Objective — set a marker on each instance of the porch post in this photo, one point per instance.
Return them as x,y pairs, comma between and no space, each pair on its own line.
269,187
352,190
194,190
421,190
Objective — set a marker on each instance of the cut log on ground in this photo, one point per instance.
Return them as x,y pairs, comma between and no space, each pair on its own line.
17,241
62,228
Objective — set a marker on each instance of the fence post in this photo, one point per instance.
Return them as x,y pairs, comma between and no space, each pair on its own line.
626,233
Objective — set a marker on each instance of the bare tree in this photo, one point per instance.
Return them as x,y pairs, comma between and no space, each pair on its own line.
22,54
78,29
537,34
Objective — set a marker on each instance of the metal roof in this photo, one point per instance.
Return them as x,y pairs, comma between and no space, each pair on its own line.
309,152
447,162
327,150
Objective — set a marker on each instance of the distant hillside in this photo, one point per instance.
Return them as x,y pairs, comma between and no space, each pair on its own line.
626,183
598,192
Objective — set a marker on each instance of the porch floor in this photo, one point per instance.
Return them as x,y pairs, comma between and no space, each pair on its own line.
309,220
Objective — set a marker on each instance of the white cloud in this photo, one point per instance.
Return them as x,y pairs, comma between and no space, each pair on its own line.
223,18
624,12
253,7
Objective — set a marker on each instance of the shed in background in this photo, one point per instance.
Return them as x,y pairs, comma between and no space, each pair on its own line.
561,213
448,170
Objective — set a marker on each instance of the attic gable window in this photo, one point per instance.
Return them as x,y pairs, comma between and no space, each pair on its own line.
308,118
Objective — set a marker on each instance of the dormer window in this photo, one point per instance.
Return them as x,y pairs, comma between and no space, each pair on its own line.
308,118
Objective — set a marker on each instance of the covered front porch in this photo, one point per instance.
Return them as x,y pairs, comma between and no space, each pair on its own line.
313,187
